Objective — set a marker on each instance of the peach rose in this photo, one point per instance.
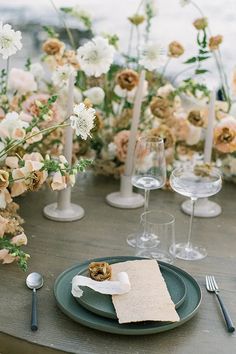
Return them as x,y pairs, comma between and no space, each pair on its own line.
21,81
18,133
6,257
4,179
12,161
32,138
3,225
225,135
5,198
58,182
34,156
25,117
121,140
19,240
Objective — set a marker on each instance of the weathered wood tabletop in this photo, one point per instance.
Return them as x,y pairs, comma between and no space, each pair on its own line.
56,246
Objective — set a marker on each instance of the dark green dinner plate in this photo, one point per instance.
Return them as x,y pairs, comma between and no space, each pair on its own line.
102,304
68,304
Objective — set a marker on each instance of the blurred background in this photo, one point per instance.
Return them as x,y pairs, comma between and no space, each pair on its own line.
173,22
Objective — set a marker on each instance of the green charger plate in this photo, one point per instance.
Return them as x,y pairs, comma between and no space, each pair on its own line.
68,304
102,304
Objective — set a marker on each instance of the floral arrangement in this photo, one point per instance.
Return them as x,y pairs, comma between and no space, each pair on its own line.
33,108
31,138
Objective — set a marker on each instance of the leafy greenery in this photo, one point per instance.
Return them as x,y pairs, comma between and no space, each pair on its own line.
15,251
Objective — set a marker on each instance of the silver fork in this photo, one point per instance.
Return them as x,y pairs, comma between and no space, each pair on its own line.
212,287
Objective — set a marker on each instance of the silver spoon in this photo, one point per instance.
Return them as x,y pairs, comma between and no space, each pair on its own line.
34,281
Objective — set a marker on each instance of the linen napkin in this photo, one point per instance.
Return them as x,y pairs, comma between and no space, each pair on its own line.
148,298
120,285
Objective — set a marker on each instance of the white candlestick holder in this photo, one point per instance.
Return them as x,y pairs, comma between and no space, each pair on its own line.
125,198
63,210
204,208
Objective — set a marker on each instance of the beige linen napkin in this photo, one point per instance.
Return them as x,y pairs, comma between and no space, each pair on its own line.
148,299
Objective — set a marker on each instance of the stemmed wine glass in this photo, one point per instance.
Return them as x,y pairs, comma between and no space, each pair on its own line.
149,172
197,181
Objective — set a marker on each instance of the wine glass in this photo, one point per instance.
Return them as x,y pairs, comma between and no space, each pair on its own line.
197,181
149,172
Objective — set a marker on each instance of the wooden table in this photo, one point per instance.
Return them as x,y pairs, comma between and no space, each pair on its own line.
56,246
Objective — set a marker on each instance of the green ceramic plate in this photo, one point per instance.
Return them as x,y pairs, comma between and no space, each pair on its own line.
102,304
68,305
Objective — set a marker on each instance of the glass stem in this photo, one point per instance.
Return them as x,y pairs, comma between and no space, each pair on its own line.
145,235
193,201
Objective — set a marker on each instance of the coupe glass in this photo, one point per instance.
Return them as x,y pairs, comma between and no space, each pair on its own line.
194,182
149,172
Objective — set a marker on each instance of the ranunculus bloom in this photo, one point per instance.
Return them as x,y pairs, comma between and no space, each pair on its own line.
225,135
175,49
19,240
3,224
21,81
18,187
121,140
127,79
34,156
58,182
53,46
214,42
4,179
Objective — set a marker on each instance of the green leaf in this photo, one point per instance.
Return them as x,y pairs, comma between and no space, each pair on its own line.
191,60
66,10
50,32
201,71
201,51
200,58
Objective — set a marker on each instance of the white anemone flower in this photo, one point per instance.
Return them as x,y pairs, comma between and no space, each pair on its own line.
61,74
10,40
95,94
83,120
96,56
153,55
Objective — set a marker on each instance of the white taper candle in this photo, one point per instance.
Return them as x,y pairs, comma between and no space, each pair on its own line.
134,125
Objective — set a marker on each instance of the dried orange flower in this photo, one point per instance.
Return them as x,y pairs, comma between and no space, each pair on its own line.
53,46
225,135
202,170
161,107
196,118
175,49
127,79
100,271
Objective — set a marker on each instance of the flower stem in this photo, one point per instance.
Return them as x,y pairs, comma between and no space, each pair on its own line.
68,31
22,141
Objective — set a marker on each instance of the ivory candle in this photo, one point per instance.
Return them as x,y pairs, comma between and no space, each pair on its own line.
134,125
64,196
69,131
210,128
